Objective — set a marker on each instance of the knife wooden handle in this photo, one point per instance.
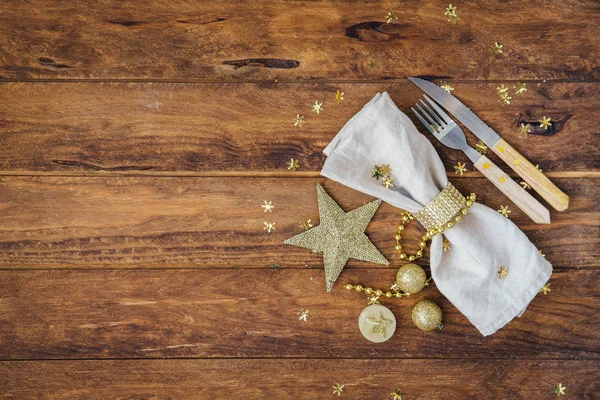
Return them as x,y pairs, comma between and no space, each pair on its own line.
526,202
526,170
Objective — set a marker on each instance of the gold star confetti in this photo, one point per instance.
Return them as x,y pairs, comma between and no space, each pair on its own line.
317,107
339,96
379,324
376,172
446,245
545,122
306,224
497,48
520,88
385,169
545,289
269,226
388,182
397,394
559,390
299,120
373,64
481,147
303,314
504,210
543,255
525,185
374,299
537,166
503,272
391,17
340,236
503,96
447,86
452,14
524,129
268,206
460,168
293,165
338,389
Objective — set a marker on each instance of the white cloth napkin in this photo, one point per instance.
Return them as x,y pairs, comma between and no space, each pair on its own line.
482,242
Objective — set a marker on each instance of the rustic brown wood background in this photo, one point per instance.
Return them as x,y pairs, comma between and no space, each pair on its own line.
139,138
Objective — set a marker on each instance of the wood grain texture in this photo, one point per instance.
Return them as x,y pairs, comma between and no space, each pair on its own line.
125,222
298,40
301,379
203,128
254,313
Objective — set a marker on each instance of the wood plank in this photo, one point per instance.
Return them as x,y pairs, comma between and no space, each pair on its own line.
173,128
254,313
306,40
303,379
142,222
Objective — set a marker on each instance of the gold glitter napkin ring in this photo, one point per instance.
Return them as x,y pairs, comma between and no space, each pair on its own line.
445,210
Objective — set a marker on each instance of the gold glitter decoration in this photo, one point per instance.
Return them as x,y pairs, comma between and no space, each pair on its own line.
497,48
317,107
303,314
268,206
269,226
387,182
543,255
446,245
524,129
545,122
559,390
379,324
374,299
391,17
503,96
373,64
293,165
442,209
385,169
340,236
502,272
525,185
339,96
460,168
306,224
376,172
520,88
447,86
504,210
411,278
481,147
338,389
538,167
427,315
452,14
545,289
299,120
397,394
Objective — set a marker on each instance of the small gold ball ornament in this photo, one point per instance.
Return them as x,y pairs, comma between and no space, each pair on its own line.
411,278
427,315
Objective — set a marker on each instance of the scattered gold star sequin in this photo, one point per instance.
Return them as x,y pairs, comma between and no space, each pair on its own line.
397,394
373,64
388,182
560,390
520,88
497,48
379,324
339,96
538,167
303,314
525,185
504,210
299,120
446,245
269,227
503,272
452,14
317,107
338,389
545,122
374,299
391,17
524,129
306,224
503,96
545,289
543,255
268,206
376,172
385,169
447,86
293,165
460,168
481,147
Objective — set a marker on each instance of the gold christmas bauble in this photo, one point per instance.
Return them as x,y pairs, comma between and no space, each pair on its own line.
427,315
411,279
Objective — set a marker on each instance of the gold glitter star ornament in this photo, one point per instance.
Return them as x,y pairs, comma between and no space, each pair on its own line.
340,236
338,389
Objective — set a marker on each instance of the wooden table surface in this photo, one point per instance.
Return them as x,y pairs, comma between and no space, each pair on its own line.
139,139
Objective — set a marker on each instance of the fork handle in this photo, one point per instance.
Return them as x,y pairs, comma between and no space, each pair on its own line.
518,195
534,177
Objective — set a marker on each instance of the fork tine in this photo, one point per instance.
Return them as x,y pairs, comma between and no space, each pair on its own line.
433,114
438,109
427,125
435,125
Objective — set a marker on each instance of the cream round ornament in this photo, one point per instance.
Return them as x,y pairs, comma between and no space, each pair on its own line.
411,278
427,315
377,323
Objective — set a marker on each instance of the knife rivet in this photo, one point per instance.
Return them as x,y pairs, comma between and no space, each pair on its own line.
501,149
517,162
501,179
486,165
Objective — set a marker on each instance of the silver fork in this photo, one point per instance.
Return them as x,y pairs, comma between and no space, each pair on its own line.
451,135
